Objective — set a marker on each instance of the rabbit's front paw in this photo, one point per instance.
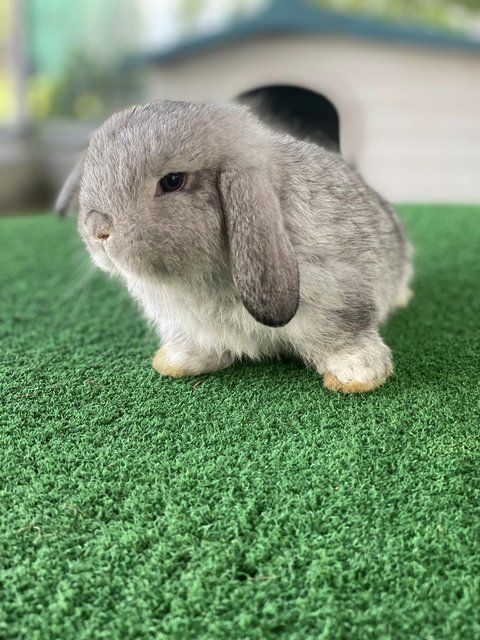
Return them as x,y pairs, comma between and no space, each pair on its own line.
169,361
404,297
165,367
361,367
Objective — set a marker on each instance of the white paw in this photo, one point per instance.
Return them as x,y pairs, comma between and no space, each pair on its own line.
171,361
363,366
404,297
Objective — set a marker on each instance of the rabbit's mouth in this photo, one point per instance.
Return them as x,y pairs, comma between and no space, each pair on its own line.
128,264
104,262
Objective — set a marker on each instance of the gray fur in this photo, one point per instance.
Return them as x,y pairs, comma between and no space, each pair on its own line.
356,317
262,260
269,231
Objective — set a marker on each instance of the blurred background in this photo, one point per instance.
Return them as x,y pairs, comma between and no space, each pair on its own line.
394,86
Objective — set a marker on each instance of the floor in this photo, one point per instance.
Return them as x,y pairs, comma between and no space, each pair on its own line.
250,504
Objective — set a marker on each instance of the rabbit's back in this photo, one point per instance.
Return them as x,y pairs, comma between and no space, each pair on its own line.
343,227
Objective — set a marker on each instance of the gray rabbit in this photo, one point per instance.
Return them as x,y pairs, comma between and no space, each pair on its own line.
241,242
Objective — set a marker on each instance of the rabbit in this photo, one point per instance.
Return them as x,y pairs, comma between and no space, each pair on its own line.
238,241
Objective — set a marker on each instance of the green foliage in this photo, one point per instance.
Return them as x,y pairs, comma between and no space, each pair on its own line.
85,90
473,5
439,13
447,14
189,11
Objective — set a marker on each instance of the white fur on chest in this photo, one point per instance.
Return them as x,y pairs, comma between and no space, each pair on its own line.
184,313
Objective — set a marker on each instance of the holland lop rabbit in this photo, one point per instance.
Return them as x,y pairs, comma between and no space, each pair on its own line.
238,241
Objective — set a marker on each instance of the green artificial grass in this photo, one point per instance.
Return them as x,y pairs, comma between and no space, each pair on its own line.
250,504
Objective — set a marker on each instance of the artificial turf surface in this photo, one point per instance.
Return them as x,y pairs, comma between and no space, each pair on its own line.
250,504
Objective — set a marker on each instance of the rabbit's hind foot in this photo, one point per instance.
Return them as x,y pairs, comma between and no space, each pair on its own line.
362,366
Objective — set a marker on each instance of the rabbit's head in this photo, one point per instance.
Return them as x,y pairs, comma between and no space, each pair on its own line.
173,189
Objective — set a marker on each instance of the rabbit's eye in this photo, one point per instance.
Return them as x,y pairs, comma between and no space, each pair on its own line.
171,182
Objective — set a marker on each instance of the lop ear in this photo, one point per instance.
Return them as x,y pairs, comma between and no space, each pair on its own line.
69,191
264,266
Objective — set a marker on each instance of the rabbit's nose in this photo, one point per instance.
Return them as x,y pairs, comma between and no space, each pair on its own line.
99,225
104,234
